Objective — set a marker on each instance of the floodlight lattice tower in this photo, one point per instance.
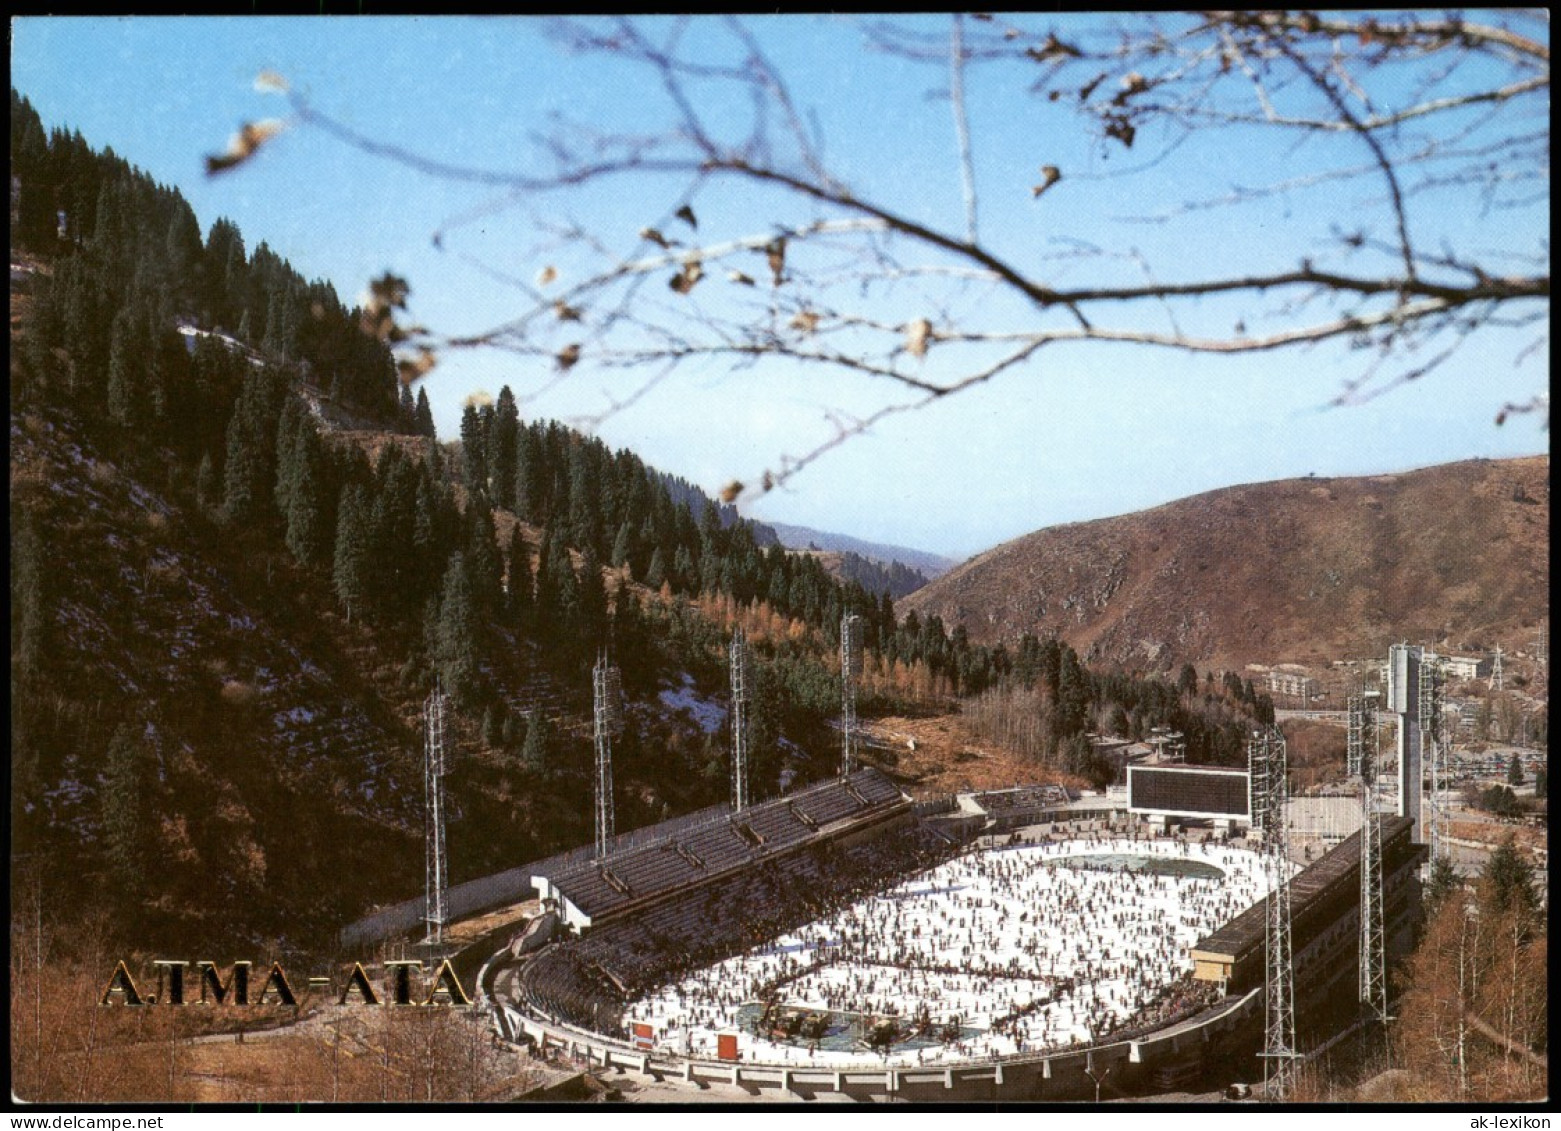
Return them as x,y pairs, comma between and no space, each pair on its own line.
1496,668
608,687
1432,740
740,679
1372,954
436,874
1257,785
850,672
1267,750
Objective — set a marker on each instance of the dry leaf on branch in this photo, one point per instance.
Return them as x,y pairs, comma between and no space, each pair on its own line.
567,356
478,398
546,275
565,312
917,335
1050,175
242,146
656,238
684,280
739,277
416,367
1053,48
775,252
731,491
385,295
806,321
269,82
686,214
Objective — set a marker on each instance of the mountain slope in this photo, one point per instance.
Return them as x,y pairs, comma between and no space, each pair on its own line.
806,538
1301,569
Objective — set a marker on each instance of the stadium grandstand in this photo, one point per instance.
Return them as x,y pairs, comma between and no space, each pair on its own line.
840,939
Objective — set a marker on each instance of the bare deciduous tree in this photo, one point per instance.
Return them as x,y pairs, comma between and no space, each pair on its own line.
1393,124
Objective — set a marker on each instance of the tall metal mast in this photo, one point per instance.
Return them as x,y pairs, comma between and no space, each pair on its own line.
739,659
436,874
608,688
1267,750
1432,677
850,672
1364,750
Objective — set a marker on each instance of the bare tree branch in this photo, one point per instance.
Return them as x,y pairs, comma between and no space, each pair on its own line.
864,282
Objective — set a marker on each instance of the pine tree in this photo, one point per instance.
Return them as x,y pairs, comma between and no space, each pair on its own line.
1515,771
408,411
1442,883
125,810
484,565
656,572
397,575
352,562
474,461
503,437
456,636
307,533
287,439
251,461
423,416
534,751
622,545
127,369
1507,881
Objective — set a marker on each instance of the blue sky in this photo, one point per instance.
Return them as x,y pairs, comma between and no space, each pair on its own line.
1080,432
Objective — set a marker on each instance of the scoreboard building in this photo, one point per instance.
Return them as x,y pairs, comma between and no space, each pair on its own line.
1167,794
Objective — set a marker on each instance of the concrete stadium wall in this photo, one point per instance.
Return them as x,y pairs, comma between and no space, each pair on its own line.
1026,1076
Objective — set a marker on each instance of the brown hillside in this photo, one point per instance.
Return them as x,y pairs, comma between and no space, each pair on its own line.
1302,570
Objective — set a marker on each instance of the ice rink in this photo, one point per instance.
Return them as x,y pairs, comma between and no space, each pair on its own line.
1003,950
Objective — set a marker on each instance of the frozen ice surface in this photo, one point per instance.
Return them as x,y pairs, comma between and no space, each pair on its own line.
1030,952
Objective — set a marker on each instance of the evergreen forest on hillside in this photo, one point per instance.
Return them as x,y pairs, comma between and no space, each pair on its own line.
241,559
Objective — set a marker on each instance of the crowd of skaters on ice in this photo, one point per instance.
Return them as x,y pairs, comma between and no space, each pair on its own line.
1025,954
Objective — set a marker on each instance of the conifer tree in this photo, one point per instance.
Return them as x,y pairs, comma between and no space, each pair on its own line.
456,635
534,751
351,570
484,565
656,572
474,461
622,545
307,533
503,438
423,416
127,358
125,809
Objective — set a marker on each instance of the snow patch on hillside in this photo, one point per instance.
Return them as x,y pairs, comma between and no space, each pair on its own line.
707,714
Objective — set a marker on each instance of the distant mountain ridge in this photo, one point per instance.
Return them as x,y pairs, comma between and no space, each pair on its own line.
805,538
1297,570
